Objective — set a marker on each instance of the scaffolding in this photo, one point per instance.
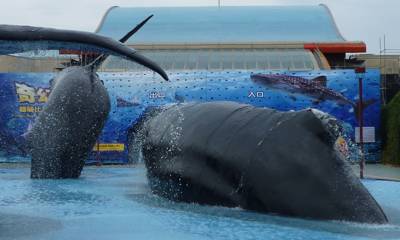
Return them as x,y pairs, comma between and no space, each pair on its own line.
389,65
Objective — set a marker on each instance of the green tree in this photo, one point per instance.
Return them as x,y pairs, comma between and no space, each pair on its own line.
391,131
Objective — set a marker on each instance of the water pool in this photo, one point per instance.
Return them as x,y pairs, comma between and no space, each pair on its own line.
116,203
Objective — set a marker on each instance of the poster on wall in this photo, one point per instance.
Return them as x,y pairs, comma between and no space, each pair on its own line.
335,92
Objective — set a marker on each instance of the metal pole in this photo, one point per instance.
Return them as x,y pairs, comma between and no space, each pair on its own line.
383,70
380,62
361,125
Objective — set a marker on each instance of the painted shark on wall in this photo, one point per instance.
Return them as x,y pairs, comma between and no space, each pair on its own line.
315,88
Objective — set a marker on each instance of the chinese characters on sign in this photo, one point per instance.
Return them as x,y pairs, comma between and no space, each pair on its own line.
108,147
28,94
30,99
155,95
256,94
30,109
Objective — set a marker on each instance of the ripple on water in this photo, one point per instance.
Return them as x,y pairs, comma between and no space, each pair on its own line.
116,202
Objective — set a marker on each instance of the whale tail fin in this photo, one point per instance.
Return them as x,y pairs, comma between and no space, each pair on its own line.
137,28
95,64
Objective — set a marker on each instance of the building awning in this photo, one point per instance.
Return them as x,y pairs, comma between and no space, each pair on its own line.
244,24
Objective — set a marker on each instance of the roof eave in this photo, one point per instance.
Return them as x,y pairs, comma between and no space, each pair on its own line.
325,47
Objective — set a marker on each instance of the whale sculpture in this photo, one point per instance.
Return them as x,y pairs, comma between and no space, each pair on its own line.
230,154
26,38
66,129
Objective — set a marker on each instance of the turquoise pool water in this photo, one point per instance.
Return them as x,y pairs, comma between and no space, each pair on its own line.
115,203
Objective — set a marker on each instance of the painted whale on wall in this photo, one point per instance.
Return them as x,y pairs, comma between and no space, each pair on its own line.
224,153
66,129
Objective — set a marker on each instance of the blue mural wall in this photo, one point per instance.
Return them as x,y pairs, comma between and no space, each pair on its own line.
22,96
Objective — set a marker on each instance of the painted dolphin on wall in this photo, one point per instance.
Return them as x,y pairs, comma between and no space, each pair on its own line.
315,88
230,154
66,129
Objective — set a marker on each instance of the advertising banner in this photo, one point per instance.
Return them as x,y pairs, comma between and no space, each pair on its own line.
23,95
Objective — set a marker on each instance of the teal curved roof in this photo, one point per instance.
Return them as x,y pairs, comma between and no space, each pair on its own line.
242,24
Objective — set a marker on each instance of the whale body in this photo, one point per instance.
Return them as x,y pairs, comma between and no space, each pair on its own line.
68,126
66,129
235,155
